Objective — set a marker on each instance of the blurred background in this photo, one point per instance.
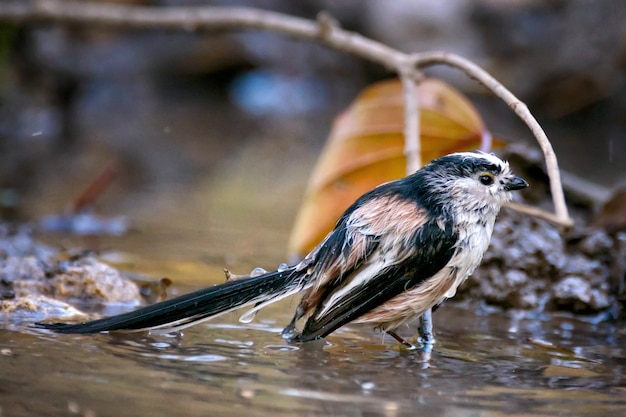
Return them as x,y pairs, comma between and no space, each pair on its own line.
202,124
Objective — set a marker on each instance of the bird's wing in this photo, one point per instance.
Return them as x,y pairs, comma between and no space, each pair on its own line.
410,248
380,214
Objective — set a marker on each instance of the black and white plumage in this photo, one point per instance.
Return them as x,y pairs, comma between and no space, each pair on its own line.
399,250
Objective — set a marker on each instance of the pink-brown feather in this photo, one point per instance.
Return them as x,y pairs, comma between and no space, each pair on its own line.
389,217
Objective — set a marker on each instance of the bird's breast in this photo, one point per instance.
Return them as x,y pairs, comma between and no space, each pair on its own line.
473,242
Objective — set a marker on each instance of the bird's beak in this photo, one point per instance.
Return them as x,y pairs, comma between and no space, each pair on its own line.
515,183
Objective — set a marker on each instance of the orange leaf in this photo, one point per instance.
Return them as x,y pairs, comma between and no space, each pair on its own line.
366,148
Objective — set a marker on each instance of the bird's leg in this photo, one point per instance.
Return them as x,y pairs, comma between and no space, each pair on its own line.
400,339
425,329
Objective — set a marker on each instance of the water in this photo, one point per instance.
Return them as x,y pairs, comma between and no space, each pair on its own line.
482,365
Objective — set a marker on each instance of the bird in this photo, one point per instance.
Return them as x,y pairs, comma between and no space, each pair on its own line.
399,250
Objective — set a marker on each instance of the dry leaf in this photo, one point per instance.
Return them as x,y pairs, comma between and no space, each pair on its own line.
366,148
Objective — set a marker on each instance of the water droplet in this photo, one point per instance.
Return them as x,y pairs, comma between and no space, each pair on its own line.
368,385
282,267
257,272
248,317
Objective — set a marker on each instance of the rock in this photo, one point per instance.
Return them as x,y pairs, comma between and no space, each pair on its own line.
36,281
575,293
90,279
32,308
82,279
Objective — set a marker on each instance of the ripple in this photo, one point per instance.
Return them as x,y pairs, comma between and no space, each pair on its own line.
195,358
281,348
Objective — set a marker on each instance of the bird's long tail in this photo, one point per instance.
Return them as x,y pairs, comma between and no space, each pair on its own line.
201,305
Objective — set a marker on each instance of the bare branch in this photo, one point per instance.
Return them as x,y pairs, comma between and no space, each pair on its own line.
325,30
202,18
483,77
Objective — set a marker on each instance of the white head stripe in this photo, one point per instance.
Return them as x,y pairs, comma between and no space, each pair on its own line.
486,156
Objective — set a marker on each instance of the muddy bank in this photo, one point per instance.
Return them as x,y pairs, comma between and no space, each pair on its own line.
38,281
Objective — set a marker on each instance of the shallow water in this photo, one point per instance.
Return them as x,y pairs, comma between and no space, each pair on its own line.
482,365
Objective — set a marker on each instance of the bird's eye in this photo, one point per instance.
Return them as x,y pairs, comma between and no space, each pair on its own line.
486,178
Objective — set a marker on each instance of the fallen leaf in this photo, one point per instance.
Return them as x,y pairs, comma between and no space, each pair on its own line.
366,148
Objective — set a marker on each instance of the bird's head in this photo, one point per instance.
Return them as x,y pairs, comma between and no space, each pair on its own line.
475,180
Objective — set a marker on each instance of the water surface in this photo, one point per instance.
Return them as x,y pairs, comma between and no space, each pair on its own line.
482,365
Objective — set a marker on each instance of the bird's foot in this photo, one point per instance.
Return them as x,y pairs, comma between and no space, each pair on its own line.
424,354
290,333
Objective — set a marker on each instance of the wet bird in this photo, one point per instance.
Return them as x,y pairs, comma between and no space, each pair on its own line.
399,250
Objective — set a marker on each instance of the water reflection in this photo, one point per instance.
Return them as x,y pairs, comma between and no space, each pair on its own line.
487,365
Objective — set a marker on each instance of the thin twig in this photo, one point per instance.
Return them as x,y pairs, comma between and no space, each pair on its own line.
411,123
521,109
94,189
533,211
331,33
325,30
